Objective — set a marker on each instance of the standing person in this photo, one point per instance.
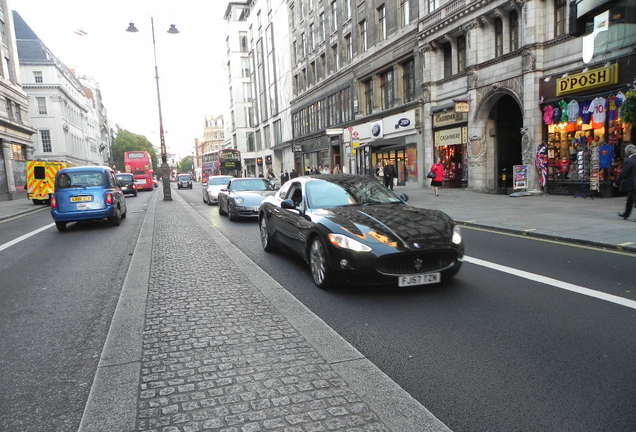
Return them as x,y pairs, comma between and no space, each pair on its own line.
438,177
389,175
293,173
627,181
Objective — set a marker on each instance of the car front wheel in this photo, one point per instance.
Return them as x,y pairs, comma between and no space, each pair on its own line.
266,240
320,270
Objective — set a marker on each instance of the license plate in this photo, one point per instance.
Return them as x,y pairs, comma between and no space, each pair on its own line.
419,279
82,198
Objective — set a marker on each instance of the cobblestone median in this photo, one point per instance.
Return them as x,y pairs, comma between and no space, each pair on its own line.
217,356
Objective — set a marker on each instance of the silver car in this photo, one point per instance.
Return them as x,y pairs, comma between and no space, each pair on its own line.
242,197
214,186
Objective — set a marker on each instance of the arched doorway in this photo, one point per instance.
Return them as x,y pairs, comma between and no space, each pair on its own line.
508,121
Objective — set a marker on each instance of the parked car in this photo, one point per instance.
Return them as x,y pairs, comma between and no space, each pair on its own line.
184,181
242,196
214,186
87,193
353,229
127,183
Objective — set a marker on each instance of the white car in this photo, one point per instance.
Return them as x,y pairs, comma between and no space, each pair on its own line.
214,186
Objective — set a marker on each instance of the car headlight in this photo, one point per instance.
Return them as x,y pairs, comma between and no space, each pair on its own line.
457,235
238,200
345,242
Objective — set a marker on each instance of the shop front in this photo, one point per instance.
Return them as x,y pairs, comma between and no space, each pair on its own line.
249,167
450,137
390,141
316,155
583,134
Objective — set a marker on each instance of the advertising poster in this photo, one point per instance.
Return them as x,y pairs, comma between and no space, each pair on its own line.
520,177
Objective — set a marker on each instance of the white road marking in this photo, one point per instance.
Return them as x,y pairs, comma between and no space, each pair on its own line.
553,282
24,237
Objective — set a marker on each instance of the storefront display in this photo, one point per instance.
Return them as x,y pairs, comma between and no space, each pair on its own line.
450,146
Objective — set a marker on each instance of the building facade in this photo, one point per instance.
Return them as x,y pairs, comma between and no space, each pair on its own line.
63,111
355,85
212,140
260,86
16,131
503,61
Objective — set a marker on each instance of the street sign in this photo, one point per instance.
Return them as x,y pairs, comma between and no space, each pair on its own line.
333,131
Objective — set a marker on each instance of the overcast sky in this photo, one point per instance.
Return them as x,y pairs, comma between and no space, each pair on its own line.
192,77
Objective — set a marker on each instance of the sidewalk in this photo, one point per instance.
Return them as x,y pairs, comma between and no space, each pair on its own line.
17,207
591,221
204,340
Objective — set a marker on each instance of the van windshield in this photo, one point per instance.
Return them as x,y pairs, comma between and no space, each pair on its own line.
80,179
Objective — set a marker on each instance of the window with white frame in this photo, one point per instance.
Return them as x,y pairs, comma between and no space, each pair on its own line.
323,34
334,15
432,5
37,77
362,29
347,5
45,139
348,47
41,103
312,44
405,12
380,14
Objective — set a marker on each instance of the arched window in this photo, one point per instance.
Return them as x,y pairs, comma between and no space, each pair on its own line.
498,38
514,30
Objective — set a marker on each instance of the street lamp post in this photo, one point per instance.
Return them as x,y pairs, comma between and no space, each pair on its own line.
165,169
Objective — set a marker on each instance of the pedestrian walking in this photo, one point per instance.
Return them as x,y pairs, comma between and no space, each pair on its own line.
270,174
627,180
293,173
437,176
389,175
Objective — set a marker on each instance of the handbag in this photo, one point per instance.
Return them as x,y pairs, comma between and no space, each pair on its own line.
430,174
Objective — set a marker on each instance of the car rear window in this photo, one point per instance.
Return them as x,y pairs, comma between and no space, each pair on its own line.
184,178
125,177
80,179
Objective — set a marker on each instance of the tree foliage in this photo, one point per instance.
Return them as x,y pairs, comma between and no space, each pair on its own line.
185,165
127,141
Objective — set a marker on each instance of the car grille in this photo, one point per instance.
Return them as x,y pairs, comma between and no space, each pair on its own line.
412,263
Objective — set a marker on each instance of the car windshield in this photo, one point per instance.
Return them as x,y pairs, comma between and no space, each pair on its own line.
218,181
125,178
251,185
325,194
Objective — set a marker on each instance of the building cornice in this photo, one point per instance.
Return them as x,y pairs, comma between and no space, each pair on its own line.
5,122
59,87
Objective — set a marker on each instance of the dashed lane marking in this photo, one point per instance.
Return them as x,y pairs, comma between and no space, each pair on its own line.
553,282
17,240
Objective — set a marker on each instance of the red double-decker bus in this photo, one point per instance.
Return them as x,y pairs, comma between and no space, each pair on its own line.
139,164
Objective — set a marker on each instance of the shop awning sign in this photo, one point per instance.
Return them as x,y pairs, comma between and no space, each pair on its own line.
591,79
462,106
453,136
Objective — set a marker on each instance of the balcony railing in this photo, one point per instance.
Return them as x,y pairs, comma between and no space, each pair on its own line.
445,11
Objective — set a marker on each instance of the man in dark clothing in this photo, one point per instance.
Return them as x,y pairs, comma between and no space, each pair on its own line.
293,173
627,181
389,175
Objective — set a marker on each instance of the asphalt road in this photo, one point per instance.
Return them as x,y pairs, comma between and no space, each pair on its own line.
58,293
490,352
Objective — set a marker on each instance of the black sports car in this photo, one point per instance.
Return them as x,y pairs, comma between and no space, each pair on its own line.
352,229
242,196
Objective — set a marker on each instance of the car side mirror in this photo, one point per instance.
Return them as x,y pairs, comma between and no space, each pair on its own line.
404,197
288,204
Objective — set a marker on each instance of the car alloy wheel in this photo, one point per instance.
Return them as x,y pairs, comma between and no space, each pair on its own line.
266,241
318,264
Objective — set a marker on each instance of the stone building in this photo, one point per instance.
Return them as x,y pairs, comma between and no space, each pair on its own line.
355,85
16,131
496,56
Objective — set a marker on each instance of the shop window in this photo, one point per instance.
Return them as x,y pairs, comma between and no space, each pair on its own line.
408,78
461,54
386,87
18,152
560,12
514,30
448,60
498,37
